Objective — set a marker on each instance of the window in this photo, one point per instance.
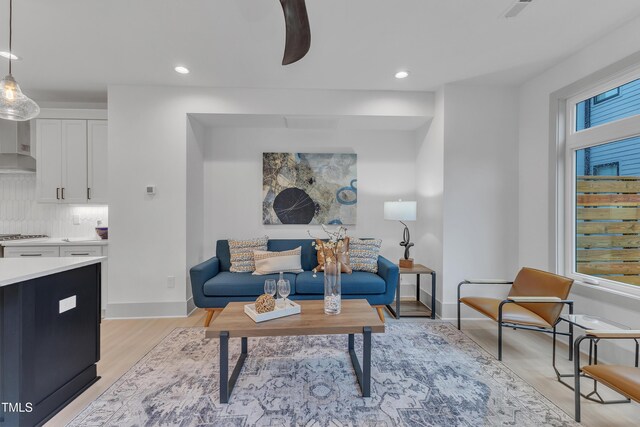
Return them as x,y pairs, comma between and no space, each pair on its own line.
607,169
608,106
602,191
607,243
605,96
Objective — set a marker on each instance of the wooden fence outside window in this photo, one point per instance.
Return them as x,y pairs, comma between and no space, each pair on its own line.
608,227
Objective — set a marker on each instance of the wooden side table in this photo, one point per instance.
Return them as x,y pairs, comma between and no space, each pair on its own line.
415,308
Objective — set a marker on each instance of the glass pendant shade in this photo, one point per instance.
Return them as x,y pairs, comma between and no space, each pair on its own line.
14,105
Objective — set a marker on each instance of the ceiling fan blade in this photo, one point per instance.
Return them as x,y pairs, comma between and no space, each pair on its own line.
298,39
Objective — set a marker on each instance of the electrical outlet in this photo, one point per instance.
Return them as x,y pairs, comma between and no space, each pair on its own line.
171,282
76,220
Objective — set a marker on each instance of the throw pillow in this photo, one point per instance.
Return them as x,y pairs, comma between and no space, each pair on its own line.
268,262
242,253
364,254
342,253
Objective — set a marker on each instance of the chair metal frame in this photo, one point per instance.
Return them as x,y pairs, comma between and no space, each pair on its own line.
502,324
577,374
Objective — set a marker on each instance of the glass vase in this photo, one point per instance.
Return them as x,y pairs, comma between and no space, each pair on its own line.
332,288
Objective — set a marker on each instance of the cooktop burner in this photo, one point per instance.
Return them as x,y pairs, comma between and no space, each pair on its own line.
7,237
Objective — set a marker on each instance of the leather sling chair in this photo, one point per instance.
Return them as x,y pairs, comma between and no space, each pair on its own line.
534,303
621,378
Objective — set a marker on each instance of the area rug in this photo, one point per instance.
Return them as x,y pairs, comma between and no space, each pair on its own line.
423,374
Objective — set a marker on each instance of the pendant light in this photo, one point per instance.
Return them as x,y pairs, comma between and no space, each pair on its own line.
15,105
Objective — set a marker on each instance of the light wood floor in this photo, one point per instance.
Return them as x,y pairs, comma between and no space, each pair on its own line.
528,354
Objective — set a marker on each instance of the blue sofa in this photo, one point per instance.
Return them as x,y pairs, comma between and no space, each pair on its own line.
214,285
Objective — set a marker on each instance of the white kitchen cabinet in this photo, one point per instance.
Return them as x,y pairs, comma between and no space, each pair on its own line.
66,251
32,252
71,161
49,160
74,161
97,161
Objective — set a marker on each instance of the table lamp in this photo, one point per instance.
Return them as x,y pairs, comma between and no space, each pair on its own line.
402,211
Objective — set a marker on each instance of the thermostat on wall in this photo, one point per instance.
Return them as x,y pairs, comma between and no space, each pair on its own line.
151,190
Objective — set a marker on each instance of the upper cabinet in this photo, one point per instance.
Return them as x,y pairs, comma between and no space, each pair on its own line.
97,161
48,160
73,183
71,161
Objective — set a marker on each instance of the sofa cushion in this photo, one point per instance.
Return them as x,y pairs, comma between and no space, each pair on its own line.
242,253
270,262
307,257
356,283
227,284
364,254
340,251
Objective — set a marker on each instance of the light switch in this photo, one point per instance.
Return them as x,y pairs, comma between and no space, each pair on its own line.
76,220
67,304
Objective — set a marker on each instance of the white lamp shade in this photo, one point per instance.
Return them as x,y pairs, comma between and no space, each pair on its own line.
400,211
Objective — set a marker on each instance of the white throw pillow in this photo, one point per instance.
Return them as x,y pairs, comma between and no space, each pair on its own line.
268,262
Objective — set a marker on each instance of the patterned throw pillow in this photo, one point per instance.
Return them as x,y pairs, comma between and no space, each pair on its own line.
364,254
342,252
268,262
242,253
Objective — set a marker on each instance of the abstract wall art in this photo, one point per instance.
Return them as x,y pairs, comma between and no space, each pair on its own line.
309,188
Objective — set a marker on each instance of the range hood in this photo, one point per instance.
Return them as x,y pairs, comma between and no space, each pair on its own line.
15,147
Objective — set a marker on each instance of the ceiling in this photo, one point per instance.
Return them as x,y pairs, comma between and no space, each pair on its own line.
73,49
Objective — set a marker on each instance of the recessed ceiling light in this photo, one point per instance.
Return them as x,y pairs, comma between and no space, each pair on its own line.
402,74
9,55
182,70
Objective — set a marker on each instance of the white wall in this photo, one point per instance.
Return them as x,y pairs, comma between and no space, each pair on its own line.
21,213
537,162
196,135
147,145
480,186
430,188
467,183
233,180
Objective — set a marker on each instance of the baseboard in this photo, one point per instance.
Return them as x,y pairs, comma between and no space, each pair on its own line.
450,312
191,306
447,311
138,310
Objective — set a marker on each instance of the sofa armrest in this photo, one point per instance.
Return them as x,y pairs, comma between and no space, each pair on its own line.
199,275
389,272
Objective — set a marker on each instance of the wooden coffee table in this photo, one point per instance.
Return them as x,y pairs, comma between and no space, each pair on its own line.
357,317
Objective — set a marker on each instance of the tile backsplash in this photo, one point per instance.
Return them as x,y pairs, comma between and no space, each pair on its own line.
20,213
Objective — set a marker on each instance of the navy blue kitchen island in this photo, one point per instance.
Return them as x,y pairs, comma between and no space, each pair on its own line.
49,335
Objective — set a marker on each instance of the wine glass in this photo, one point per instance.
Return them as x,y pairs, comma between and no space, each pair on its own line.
284,289
270,287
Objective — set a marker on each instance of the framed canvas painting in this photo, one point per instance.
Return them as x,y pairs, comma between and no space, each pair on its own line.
309,188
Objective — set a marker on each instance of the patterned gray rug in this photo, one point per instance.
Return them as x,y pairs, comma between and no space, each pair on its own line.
423,374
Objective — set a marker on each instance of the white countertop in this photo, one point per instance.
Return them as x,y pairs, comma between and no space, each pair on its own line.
15,270
56,241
